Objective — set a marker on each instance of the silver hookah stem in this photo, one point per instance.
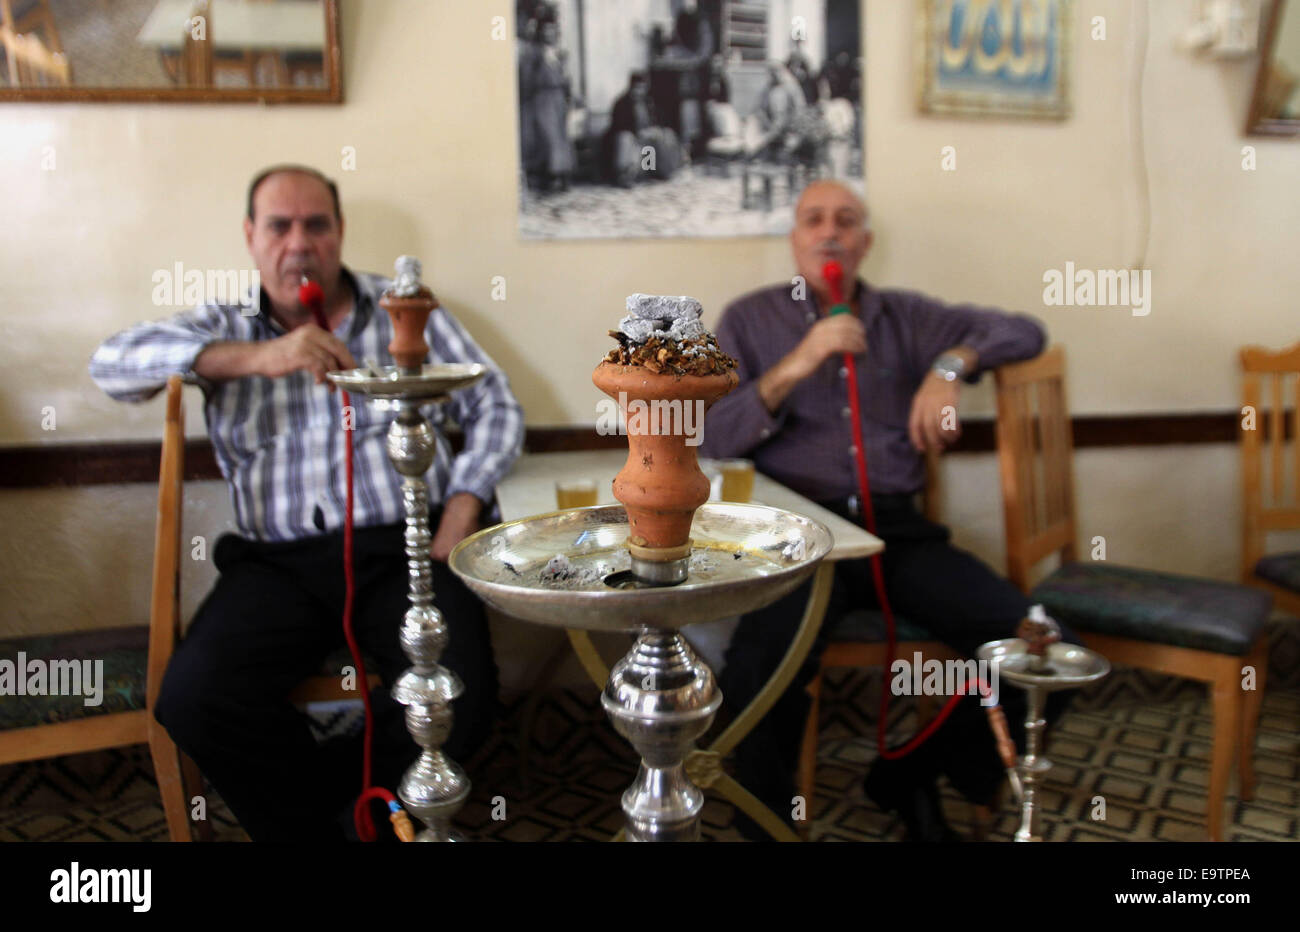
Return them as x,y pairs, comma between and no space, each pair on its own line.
1031,766
661,697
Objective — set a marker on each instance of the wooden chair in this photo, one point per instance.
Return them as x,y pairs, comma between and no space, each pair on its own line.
178,777
1175,625
1278,574
858,639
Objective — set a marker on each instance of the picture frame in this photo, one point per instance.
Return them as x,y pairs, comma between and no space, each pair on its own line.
273,51
994,58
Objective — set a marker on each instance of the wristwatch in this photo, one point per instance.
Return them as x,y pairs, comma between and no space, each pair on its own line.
949,367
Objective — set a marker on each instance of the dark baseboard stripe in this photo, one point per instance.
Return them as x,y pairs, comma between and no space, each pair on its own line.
40,465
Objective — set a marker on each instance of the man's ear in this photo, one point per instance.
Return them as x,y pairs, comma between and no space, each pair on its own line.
248,234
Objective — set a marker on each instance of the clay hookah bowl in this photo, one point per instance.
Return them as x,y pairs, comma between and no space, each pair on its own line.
409,303
661,483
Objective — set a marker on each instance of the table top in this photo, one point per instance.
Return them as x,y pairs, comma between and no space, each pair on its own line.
530,490
289,25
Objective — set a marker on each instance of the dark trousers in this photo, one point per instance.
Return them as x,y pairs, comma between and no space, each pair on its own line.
950,593
273,617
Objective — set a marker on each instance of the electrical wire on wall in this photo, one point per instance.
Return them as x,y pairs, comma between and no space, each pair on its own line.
1141,39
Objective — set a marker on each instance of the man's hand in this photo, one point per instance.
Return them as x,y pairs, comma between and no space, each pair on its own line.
933,424
460,515
830,336
307,347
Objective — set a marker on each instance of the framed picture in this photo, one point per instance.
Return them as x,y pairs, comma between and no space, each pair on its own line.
252,51
682,118
995,58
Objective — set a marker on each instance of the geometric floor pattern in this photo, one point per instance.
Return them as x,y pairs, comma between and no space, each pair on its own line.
1139,741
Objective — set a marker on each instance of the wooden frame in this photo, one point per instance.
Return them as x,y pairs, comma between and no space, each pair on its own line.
934,99
1038,510
1257,124
197,64
1266,442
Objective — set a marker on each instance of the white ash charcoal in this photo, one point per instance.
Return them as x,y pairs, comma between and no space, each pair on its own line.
638,330
686,328
701,562
558,568
663,307
795,551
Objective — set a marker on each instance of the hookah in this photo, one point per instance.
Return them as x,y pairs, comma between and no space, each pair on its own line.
1039,662
1036,661
663,559
434,788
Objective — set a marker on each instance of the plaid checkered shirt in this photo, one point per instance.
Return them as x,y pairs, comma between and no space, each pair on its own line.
280,442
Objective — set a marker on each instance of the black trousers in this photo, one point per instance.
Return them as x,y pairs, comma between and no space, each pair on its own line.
950,593
270,621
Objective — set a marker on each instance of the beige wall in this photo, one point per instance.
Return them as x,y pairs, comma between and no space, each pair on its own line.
430,110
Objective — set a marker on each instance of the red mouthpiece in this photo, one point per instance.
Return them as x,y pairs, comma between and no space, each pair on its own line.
311,295
833,272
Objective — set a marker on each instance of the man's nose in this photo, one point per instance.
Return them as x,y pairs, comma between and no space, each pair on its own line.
298,240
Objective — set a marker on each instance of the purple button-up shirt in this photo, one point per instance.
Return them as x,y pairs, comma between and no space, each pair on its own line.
807,444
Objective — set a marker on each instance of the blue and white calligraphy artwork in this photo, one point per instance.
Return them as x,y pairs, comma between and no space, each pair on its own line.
995,57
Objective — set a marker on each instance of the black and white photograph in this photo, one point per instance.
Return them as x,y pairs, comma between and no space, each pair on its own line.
683,118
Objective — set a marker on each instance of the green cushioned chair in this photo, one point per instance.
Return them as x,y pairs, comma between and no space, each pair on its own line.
1195,628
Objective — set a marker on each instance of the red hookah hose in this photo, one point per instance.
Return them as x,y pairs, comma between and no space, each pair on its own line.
833,274
311,296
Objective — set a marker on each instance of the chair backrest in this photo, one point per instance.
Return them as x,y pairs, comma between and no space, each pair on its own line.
165,603
1035,460
1270,498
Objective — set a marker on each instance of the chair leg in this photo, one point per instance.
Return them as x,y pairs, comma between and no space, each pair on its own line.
808,753
1251,702
171,784
1227,703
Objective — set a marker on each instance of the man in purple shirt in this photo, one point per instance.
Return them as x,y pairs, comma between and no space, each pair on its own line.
790,415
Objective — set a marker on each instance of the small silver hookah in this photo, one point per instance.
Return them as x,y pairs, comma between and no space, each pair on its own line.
1039,662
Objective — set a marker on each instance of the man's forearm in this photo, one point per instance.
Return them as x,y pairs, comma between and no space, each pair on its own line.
776,384
220,362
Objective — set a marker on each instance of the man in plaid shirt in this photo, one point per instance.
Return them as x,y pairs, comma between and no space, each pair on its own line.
277,432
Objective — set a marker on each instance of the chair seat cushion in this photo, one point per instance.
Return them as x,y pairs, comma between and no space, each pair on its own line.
868,626
1282,569
1162,608
124,652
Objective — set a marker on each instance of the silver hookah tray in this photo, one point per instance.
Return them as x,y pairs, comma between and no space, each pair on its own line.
435,381
571,569
1066,665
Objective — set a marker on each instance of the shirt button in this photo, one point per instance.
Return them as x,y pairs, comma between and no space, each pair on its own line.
765,433
844,372
846,411
853,451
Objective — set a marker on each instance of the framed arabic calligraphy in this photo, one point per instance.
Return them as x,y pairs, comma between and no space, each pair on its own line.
995,58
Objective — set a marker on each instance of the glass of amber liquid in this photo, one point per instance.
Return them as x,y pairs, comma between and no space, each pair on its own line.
737,480
575,493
